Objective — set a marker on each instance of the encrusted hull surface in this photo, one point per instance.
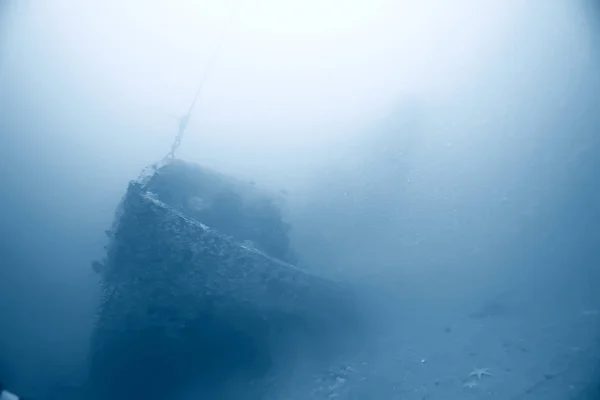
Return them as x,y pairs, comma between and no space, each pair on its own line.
175,291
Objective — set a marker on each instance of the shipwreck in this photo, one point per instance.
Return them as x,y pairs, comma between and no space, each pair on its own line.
199,287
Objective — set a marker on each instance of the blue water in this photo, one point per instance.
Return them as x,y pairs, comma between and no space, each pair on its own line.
468,223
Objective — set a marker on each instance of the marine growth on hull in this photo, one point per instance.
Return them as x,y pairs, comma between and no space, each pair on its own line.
199,289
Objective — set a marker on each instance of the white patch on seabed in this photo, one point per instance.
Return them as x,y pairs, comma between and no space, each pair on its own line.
6,395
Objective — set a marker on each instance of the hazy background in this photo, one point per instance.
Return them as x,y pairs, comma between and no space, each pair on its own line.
448,149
